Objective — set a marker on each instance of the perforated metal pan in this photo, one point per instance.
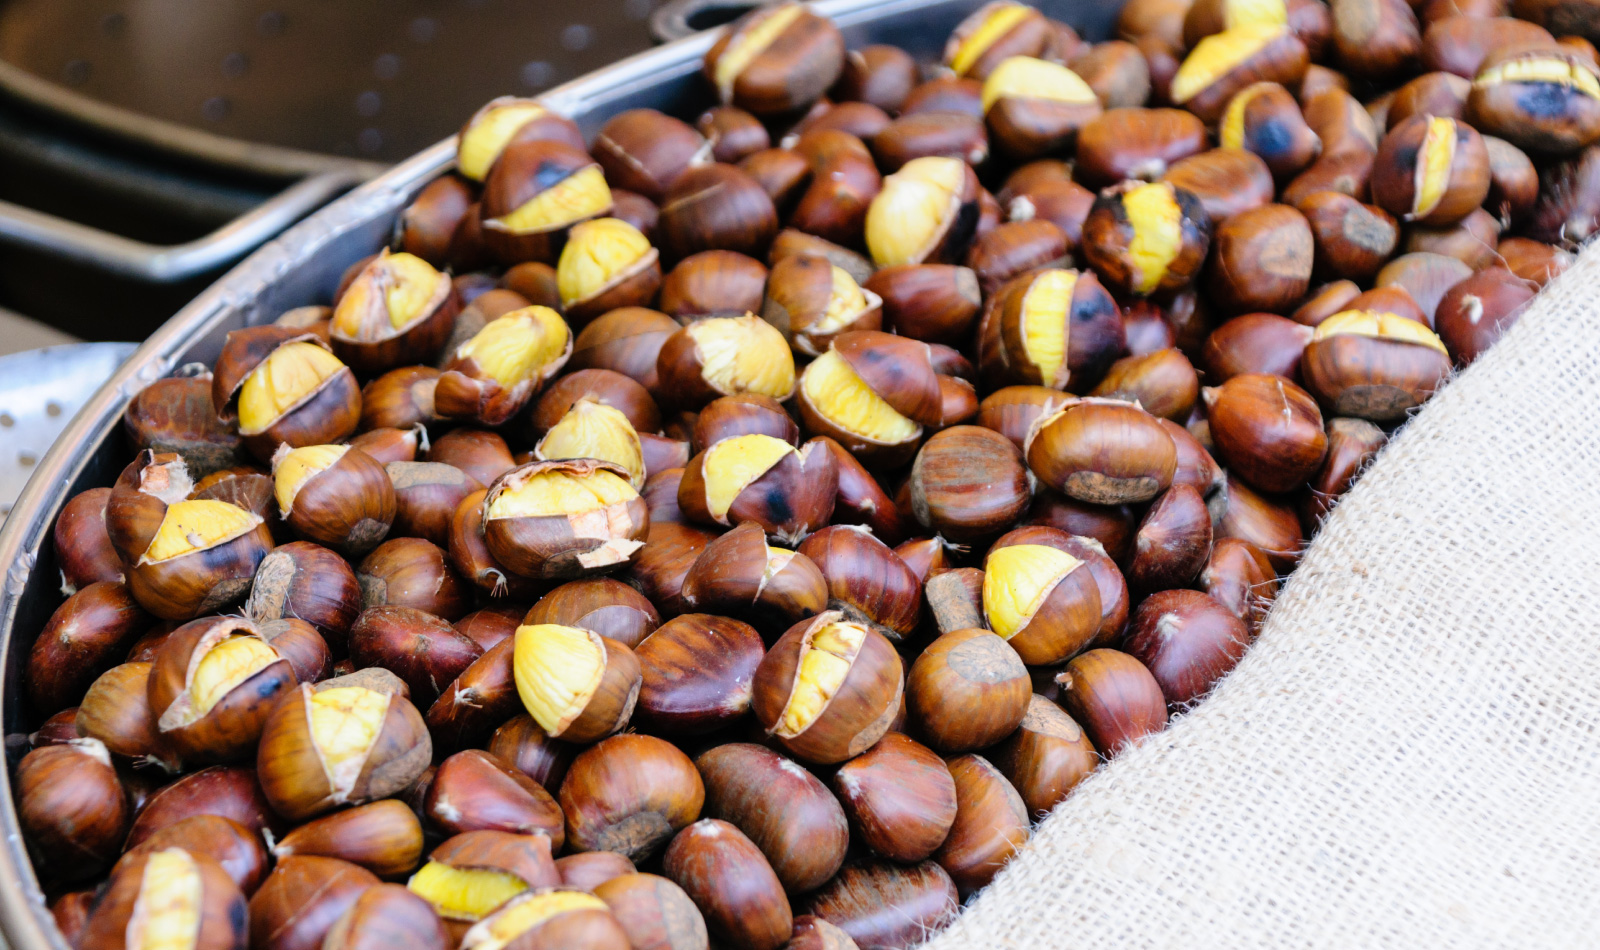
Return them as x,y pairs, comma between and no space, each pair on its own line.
302,267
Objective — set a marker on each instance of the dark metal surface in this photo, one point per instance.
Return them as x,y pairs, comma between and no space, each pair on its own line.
302,267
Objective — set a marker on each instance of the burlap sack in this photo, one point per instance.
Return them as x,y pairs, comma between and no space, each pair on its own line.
1410,755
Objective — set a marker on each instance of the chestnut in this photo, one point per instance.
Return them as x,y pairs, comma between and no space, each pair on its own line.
1164,382
1539,97
71,807
645,151
1309,20
1046,757
966,691
1227,181
968,484
587,870
775,59
743,414
716,206
1033,107
1373,365
534,194
785,811
729,879
867,581
211,687
1146,238
1568,209
713,283
926,212
1261,260
1117,72
1221,65
1439,94
732,133
1240,576
783,173
934,303
629,794
1267,430
383,836
177,415
1264,119
739,574
225,791
282,385
722,356
480,698
1056,328
501,122
1327,300
1475,312
1352,443
1374,39
1431,169
71,912
1173,541
483,455
1042,600
473,874
1422,277
476,791
1352,239
794,243
655,913
239,850
995,32
419,647
387,915
490,376
872,393
991,824
880,904
697,671
85,637
788,491
390,445
427,495
605,606
165,892
398,310
878,74
334,495
1470,240
1012,410
1103,452
625,341
429,223
1187,641
346,740
861,500
1114,697
1135,143
576,684
812,300
563,519
1237,511
82,545
834,206
828,688
662,564
899,797
548,919
116,711
524,745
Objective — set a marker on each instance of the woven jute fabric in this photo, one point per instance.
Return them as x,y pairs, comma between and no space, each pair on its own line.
1409,756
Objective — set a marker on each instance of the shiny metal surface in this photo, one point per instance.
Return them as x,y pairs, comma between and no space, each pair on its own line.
301,267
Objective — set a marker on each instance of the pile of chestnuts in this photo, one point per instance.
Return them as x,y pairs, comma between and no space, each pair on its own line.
738,533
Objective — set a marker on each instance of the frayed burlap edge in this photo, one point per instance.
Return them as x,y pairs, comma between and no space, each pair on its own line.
1410,754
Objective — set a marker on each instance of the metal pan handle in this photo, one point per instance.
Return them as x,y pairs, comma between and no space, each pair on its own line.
171,263
680,18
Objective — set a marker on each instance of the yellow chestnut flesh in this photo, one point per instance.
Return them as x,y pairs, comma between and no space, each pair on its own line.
597,253
592,430
289,376
1045,321
1540,69
821,672
1157,232
344,723
293,468
464,893
1434,157
1378,325
732,464
226,665
845,303
1016,581
582,194
166,914
560,493
525,914
909,216
849,403
743,355
1217,55
1023,77
409,285
995,25
1237,13
483,141
516,346
557,670
190,526
743,49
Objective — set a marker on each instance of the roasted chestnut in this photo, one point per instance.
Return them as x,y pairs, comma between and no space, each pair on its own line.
776,59
784,810
1146,238
828,688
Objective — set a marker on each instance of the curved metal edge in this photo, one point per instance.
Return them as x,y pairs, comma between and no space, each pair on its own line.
270,160
158,263
670,21
25,920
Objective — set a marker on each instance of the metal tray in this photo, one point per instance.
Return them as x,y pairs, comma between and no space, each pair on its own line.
302,267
